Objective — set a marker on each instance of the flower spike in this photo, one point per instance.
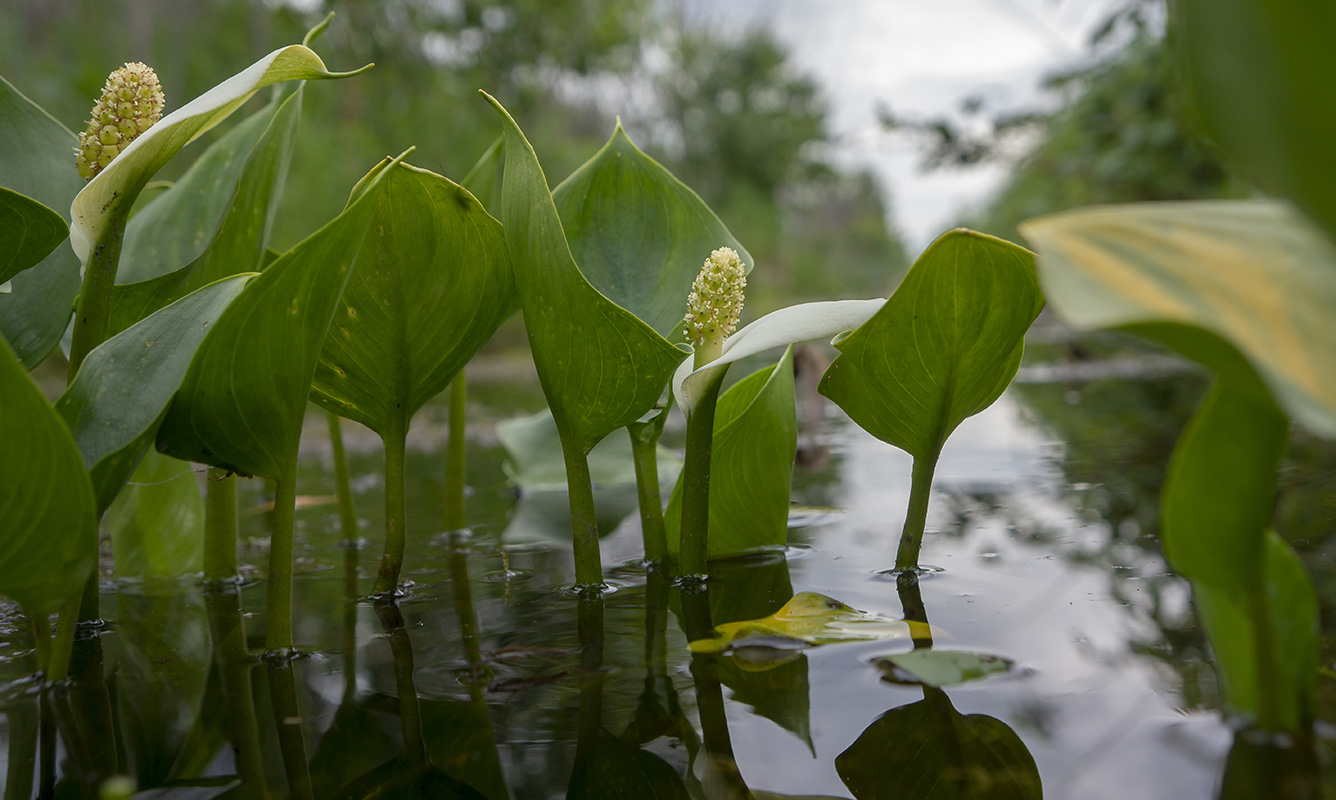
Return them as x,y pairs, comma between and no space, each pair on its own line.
130,104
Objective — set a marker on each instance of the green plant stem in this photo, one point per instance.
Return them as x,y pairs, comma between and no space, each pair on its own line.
287,717
410,711
220,525
63,644
41,640
644,447
396,512
1264,644
234,663
278,602
342,483
94,306
916,518
456,455
584,522
22,749
694,553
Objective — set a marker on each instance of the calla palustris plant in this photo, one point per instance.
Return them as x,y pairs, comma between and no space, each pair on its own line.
433,283
50,543
943,348
241,404
1245,288
100,211
35,306
603,265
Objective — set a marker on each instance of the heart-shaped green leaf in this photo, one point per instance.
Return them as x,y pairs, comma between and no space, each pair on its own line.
212,223
943,347
157,522
29,231
601,367
241,403
46,499
929,751
1254,273
35,312
751,465
808,618
609,768
432,285
941,668
1275,112
107,195
638,234
123,388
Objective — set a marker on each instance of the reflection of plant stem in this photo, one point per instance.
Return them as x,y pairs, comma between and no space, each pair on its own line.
590,628
220,525
234,663
22,749
396,511
644,448
287,716
410,711
584,522
278,602
468,617
456,455
695,527
1268,701
911,604
47,746
710,702
916,518
348,527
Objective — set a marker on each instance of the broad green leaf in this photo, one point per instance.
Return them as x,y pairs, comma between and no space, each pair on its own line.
777,329
29,231
601,367
941,668
123,388
637,233
241,403
751,465
46,499
157,522
929,751
1295,639
484,180
35,312
943,347
809,618
433,283
613,768
109,192
535,464
1220,491
213,222
1272,112
163,657
1254,273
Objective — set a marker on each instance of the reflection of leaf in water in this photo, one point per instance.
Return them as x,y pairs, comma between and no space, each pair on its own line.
358,740
187,792
459,742
929,751
617,769
778,692
397,779
812,618
940,667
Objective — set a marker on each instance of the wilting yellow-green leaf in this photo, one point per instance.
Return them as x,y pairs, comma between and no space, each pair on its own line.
940,667
813,619
1255,273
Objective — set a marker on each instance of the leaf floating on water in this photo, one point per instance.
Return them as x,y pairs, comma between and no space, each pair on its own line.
808,619
941,668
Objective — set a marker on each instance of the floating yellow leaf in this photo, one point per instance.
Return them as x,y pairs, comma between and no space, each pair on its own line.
809,619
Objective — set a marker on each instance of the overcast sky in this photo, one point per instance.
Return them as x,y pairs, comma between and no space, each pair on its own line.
920,59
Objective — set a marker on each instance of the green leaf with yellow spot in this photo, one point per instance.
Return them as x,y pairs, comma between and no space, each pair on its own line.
812,619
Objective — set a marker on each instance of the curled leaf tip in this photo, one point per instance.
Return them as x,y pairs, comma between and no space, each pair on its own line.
715,302
130,104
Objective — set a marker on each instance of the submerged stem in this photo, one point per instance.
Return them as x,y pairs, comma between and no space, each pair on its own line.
220,525
456,455
695,529
916,517
584,522
278,603
396,511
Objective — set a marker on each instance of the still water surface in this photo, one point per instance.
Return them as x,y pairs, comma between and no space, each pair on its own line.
1042,527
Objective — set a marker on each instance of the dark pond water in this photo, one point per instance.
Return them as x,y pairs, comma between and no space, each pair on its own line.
487,681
